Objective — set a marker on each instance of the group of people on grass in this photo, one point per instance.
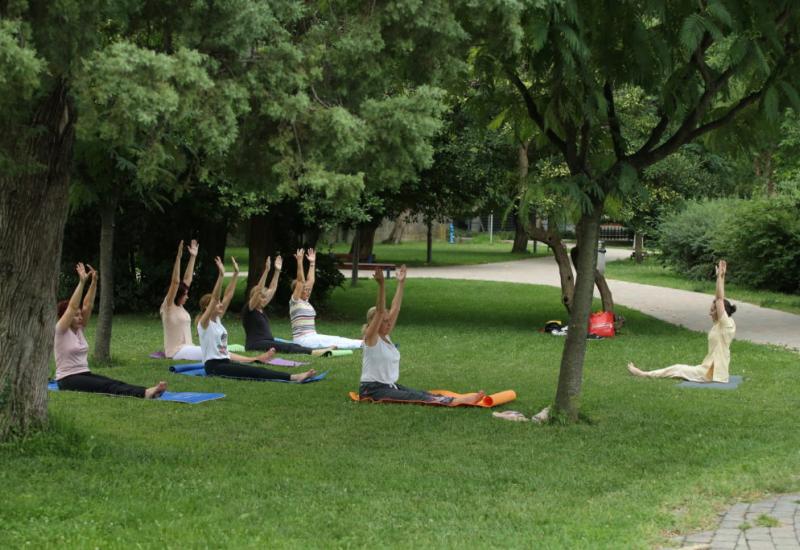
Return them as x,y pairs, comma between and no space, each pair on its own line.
380,361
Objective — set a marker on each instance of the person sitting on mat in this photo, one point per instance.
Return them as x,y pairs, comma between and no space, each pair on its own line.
258,335
218,361
714,367
71,349
176,320
302,313
381,361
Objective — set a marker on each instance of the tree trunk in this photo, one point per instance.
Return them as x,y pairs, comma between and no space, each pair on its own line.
105,314
570,376
552,238
638,247
354,249
366,239
605,292
520,231
33,211
429,249
396,236
261,243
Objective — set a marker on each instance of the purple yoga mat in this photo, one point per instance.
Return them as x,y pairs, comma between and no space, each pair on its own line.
157,355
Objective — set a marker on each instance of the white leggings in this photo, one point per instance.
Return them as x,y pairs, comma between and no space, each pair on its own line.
189,353
317,341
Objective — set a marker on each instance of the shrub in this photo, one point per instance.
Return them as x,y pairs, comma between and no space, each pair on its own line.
688,239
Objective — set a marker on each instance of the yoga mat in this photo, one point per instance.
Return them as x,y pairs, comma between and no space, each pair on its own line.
489,401
236,348
188,397
732,383
157,355
197,369
280,362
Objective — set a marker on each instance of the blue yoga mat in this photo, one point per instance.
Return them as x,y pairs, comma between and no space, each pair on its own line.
197,369
732,383
189,397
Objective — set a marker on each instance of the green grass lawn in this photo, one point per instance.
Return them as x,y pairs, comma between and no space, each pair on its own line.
288,466
652,273
413,253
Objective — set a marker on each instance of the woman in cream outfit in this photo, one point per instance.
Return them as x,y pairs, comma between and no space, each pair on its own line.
714,367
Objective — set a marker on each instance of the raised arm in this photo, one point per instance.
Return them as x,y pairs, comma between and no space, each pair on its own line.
719,295
188,274
88,300
300,278
230,290
211,308
312,269
252,303
73,307
397,301
371,334
175,279
273,284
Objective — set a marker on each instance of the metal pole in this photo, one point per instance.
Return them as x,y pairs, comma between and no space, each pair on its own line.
491,227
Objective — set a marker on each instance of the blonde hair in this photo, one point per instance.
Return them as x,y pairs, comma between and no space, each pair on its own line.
205,299
257,289
370,314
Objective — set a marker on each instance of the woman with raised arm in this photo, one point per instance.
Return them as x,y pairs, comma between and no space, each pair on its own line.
176,320
71,349
380,368
303,314
258,334
714,367
218,361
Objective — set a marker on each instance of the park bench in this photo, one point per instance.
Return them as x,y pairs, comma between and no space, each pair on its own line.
345,261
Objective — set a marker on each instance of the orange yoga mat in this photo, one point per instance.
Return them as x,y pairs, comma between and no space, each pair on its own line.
487,402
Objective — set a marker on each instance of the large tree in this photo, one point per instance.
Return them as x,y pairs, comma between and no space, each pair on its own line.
699,63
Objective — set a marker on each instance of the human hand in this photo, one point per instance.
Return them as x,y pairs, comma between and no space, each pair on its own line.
267,264
401,274
220,265
378,275
311,254
722,268
91,272
81,272
299,255
194,246
235,265
278,263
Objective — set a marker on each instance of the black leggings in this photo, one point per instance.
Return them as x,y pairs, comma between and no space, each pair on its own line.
280,347
90,382
232,369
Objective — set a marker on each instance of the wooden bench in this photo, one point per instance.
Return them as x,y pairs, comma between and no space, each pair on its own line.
345,261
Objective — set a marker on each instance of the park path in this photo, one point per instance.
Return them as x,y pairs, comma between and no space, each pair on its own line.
679,307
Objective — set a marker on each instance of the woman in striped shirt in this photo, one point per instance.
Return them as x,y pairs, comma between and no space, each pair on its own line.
302,313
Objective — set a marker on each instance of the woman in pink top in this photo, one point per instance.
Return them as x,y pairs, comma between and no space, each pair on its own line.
71,349
176,320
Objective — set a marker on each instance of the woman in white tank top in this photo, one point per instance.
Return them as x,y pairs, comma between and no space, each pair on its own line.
380,368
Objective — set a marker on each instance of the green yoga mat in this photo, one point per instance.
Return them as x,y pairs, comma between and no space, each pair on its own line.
338,352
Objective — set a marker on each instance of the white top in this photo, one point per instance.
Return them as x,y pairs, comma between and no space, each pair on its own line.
213,341
71,351
380,363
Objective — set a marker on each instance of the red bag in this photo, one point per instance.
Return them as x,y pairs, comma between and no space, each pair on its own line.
602,324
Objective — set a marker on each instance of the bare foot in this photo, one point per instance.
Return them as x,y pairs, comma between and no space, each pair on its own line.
542,416
156,391
635,371
266,356
469,399
302,376
322,351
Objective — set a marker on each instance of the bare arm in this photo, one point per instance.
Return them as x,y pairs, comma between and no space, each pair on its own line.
300,279
188,274
371,334
88,300
397,301
312,269
273,284
230,290
74,302
253,301
719,295
175,279
205,317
